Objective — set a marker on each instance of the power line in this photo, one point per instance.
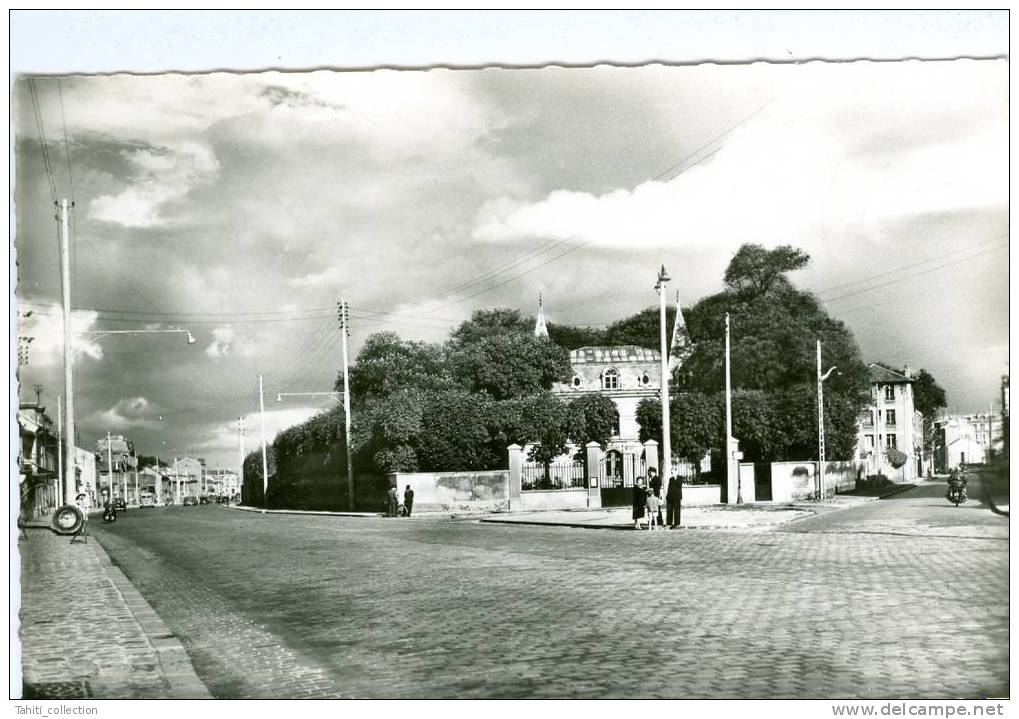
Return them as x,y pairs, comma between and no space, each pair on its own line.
552,244
37,112
67,144
905,267
917,274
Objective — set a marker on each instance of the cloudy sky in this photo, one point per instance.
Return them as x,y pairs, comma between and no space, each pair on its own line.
243,206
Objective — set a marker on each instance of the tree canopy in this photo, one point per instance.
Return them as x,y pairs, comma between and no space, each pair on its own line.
773,333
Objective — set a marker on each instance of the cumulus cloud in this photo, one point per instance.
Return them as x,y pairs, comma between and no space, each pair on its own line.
783,179
222,339
160,175
128,413
47,347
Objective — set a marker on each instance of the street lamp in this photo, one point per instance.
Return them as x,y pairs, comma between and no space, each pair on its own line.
663,280
103,333
821,377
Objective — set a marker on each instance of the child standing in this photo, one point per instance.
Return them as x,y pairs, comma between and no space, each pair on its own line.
652,509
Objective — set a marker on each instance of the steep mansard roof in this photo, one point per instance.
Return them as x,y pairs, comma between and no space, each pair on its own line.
622,353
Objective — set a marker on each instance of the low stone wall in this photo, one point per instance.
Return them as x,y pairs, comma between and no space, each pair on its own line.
793,481
842,476
697,494
452,492
534,500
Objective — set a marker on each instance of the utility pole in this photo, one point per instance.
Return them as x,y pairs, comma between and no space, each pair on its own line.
137,497
820,426
60,455
109,465
240,460
663,279
344,333
729,458
265,461
65,283
990,430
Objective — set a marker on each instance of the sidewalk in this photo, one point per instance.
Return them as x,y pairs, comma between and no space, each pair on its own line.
715,516
87,633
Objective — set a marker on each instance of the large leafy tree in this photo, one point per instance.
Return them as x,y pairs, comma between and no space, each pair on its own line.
455,433
496,352
928,395
755,270
387,364
773,333
595,417
928,398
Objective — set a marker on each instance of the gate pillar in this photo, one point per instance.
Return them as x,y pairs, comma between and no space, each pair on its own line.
516,464
592,456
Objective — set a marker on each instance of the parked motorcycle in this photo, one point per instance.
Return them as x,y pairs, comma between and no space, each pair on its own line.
956,488
109,512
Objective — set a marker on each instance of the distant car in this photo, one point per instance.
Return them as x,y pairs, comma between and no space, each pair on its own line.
147,500
190,501
203,500
119,504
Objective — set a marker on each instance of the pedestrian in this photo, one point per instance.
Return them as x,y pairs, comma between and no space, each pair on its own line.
639,501
653,507
408,500
392,502
674,501
656,486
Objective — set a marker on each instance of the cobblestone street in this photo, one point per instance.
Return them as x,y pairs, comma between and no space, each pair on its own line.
292,606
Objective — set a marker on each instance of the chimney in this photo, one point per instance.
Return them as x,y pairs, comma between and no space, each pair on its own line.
908,371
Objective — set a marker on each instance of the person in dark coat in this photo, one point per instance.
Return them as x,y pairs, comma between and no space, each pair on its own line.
639,501
391,502
408,500
656,487
674,501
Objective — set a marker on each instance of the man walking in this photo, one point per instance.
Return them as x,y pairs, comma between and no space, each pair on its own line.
674,501
408,500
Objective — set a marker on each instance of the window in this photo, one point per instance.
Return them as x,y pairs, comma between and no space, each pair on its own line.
577,382
890,441
645,380
610,379
868,442
868,419
890,417
889,391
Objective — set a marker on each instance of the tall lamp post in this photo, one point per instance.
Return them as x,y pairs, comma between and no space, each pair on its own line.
663,280
820,420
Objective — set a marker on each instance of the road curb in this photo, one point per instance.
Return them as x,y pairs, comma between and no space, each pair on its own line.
173,658
258,510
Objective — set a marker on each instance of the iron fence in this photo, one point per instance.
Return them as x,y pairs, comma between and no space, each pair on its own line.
558,475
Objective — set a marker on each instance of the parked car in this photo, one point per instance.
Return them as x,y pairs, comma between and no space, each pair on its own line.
147,500
119,504
190,501
203,500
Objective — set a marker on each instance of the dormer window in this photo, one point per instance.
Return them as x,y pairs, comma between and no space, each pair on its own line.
610,379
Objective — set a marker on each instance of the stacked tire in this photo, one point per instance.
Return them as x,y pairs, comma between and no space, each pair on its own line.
67,520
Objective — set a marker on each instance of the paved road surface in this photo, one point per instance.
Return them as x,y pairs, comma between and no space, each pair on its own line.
292,606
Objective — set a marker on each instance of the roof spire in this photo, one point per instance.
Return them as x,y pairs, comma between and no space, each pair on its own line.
680,347
540,330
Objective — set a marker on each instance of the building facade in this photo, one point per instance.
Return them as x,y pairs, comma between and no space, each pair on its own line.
969,439
890,422
38,450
